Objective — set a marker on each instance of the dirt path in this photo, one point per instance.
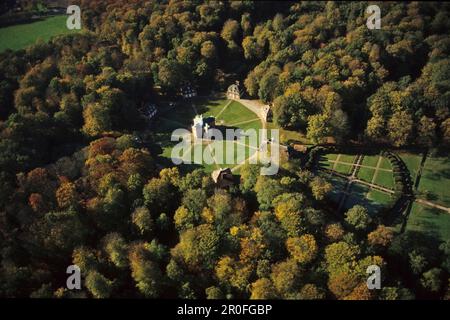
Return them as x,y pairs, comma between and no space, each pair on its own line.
242,122
375,174
224,108
336,161
434,205
350,181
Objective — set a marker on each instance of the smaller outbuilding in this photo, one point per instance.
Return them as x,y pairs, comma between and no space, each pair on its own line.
235,91
223,177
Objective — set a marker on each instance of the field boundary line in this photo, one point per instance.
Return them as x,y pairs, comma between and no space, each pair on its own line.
434,205
337,160
375,175
223,109
243,122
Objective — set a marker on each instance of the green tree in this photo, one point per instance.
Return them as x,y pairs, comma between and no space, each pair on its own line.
400,128
286,277
318,129
98,285
303,249
263,289
358,217
143,220
198,248
145,272
116,249
426,132
266,191
341,256
158,195
320,187
214,293
432,280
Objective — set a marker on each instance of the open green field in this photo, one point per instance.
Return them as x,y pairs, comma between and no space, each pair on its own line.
412,162
378,196
342,168
208,155
357,196
370,161
385,179
366,174
435,180
331,156
385,164
22,35
362,195
348,158
433,222
235,113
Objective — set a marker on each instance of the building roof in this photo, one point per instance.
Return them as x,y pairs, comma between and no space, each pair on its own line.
199,120
221,173
234,88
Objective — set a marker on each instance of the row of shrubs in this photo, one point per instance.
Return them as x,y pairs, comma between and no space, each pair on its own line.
312,156
400,173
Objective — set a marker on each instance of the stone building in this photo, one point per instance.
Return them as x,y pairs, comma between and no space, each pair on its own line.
201,126
223,177
234,91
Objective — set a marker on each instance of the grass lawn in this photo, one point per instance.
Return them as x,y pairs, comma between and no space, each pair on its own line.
385,179
435,180
236,113
255,124
412,162
430,221
378,196
325,164
348,158
211,155
385,164
22,35
209,107
288,136
370,161
342,168
366,174
220,154
331,156
324,160
372,200
357,196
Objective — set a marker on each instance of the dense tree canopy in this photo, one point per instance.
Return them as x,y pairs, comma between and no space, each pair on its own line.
81,181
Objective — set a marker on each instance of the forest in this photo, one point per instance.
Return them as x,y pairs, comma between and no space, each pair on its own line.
80,181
